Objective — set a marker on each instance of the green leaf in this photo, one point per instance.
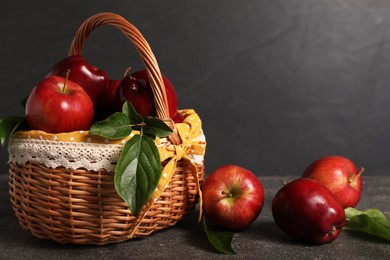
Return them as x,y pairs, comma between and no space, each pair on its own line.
138,172
371,221
8,126
221,240
115,126
133,115
155,126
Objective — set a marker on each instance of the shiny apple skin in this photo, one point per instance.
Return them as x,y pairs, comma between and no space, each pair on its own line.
340,176
50,110
242,209
93,80
306,210
138,94
136,89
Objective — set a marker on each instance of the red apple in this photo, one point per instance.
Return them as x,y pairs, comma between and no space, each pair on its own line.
140,96
110,92
93,80
136,89
59,105
107,105
340,176
233,197
305,209
178,118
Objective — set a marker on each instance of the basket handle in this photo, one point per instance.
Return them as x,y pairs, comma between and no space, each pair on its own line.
147,56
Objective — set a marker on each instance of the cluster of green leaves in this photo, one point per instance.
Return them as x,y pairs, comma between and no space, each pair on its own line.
370,221
138,170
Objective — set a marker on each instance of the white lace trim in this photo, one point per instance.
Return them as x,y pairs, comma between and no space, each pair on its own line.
72,155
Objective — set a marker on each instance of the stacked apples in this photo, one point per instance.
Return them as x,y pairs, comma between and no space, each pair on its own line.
311,208
74,94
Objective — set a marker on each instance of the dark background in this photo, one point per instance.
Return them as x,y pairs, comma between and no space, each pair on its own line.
277,83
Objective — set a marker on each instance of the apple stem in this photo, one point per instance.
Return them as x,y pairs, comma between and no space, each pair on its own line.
357,175
227,193
127,71
333,230
360,171
66,80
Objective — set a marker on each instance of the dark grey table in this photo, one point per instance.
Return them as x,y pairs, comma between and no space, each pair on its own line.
263,240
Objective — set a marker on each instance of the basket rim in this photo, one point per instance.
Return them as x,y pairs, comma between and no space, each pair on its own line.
85,137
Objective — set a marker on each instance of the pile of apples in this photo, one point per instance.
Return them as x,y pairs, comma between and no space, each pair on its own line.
310,208
75,93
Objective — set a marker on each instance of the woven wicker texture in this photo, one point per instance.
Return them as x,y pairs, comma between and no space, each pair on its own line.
82,206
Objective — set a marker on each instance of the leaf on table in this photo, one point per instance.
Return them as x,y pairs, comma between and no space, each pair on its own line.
115,126
370,221
221,240
138,172
8,126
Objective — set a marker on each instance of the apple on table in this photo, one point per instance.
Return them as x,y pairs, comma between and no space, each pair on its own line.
340,175
305,209
233,197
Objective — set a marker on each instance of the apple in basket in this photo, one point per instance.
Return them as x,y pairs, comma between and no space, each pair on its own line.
306,210
107,106
233,197
136,89
57,105
340,176
93,80
179,118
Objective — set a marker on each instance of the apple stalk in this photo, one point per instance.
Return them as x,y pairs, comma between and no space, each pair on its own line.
65,81
227,194
352,179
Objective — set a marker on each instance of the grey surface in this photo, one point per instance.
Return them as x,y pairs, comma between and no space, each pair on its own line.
280,83
263,240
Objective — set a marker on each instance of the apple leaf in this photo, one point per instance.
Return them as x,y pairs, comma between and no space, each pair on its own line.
115,126
138,172
156,127
220,239
8,126
370,221
133,115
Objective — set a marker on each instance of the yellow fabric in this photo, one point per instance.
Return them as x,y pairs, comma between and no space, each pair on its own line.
76,136
188,131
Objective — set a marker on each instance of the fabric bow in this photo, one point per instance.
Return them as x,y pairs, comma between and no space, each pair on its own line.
193,144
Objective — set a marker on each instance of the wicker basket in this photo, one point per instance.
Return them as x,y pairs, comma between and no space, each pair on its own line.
77,203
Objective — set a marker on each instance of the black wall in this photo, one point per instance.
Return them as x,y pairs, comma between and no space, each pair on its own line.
278,83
